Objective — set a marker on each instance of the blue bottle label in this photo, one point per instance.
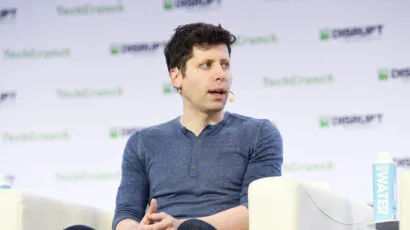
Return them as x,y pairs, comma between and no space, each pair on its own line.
384,192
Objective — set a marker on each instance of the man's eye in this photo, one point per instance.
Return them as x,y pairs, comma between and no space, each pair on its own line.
225,65
205,65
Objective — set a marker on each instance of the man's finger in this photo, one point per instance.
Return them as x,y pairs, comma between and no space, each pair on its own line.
154,205
157,216
163,224
151,209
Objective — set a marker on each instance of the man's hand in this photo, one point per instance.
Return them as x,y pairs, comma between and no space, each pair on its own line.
152,209
129,224
164,222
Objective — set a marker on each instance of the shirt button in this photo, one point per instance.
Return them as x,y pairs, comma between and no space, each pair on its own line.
193,167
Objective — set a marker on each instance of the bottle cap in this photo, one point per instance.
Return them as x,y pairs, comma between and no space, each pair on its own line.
384,156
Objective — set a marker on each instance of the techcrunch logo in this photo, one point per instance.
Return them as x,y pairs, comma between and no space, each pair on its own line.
298,80
90,93
88,176
256,40
34,136
136,48
351,120
177,4
308,167
351,33
89,10
122,132
395,73
36,53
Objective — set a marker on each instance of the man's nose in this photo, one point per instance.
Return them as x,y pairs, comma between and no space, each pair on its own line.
220,73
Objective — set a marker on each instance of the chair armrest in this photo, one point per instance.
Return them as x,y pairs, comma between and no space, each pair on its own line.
22,211
283,203
404,201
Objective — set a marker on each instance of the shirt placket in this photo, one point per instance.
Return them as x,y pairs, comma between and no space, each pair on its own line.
195,158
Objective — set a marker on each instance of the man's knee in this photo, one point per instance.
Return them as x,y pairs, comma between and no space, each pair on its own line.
195,224
79,227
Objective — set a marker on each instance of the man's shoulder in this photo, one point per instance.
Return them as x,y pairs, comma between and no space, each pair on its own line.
166,127
251,122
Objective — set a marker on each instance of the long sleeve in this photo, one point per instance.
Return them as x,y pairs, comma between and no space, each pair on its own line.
266,159
132,195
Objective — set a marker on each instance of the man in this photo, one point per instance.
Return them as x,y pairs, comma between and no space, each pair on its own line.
195,169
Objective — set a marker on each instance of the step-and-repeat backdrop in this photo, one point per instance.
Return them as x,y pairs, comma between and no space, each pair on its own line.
77,77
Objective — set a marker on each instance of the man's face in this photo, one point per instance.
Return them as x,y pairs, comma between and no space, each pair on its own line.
207,80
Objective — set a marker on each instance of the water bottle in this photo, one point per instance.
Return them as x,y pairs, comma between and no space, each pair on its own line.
384,188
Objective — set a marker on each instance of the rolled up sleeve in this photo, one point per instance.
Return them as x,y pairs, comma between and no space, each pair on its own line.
266,158
132,194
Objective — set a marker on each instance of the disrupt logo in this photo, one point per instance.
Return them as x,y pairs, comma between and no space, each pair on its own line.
88,176
298,80
351,120
88,10
351,33
7,15
122,132
7,96
256,40
403,73
402,162
168,88
176,4
308,167
33,136
90,93
6,180
9,179
135,48
36,53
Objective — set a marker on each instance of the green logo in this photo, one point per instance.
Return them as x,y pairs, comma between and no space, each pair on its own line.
325,122
256,40
88,176
115,49
308,167
89,10
167,5
114,133
136,48
298,80
122,132
36,54
352,33
352,121
168,88
178,4
383,74
324,35
90,93
34,136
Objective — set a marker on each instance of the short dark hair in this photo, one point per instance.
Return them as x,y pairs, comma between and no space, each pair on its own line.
178,50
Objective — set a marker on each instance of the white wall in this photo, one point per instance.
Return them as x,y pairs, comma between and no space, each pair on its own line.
293,80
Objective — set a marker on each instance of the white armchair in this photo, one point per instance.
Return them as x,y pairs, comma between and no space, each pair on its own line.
274,203
283,203
404,201
21,211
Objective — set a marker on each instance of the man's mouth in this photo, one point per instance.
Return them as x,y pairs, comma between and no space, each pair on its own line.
217,91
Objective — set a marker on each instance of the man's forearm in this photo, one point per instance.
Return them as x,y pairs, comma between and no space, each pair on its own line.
232,219
127,224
